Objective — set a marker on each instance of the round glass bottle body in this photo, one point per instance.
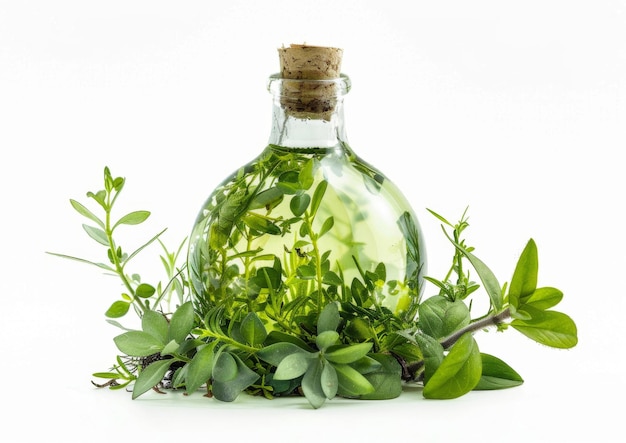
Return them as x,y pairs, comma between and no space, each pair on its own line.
304,224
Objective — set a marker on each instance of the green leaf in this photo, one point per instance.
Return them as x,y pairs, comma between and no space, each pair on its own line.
170,348
268,199
305,176
230,390
155,324
458,373
306,272
327,226
524,280
329,318
252,329
386,379
312,384
550,328
329,381
288,182
326,339
82,210
293,366
97,234
344,354
99,197
82,260
150,376
107,375
320,190
133,218
487,277
440,317
138,343
139,249
331,278
118,309
182,322
145,290
496,374
200,369
260,224
351,382
225,368
433,354
276,352
543,298
299,203
369,364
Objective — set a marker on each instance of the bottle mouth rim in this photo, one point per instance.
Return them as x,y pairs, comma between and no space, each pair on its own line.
276,83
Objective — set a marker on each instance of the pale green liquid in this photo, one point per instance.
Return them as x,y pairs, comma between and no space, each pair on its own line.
366,209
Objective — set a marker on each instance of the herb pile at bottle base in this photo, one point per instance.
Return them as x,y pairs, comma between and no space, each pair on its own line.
336,340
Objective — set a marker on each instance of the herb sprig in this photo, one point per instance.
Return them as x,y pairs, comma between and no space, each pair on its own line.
341,348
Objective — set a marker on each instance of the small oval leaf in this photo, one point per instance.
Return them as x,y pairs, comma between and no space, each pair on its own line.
133,218
145,290
97,234
458,373
118,309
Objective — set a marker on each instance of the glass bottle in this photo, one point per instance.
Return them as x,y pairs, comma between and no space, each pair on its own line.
307,222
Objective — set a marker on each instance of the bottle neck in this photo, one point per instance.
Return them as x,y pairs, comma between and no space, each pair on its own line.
290,131
308,113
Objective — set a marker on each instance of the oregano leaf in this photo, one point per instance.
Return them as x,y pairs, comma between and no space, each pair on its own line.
524,280
550,328
496,374
118,309
299,203
458,373
144,290
543,298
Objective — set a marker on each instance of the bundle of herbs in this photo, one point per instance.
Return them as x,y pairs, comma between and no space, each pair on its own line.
334,341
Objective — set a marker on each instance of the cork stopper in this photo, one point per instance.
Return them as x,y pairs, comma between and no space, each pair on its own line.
314,69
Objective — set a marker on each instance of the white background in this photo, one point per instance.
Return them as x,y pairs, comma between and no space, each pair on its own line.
515,109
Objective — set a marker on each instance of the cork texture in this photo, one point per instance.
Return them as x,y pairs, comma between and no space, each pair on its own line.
314,99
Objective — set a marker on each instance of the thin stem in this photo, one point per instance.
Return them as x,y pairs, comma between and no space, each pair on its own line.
492,320
119,268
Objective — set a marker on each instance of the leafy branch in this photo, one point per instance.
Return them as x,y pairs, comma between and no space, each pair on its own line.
292,325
